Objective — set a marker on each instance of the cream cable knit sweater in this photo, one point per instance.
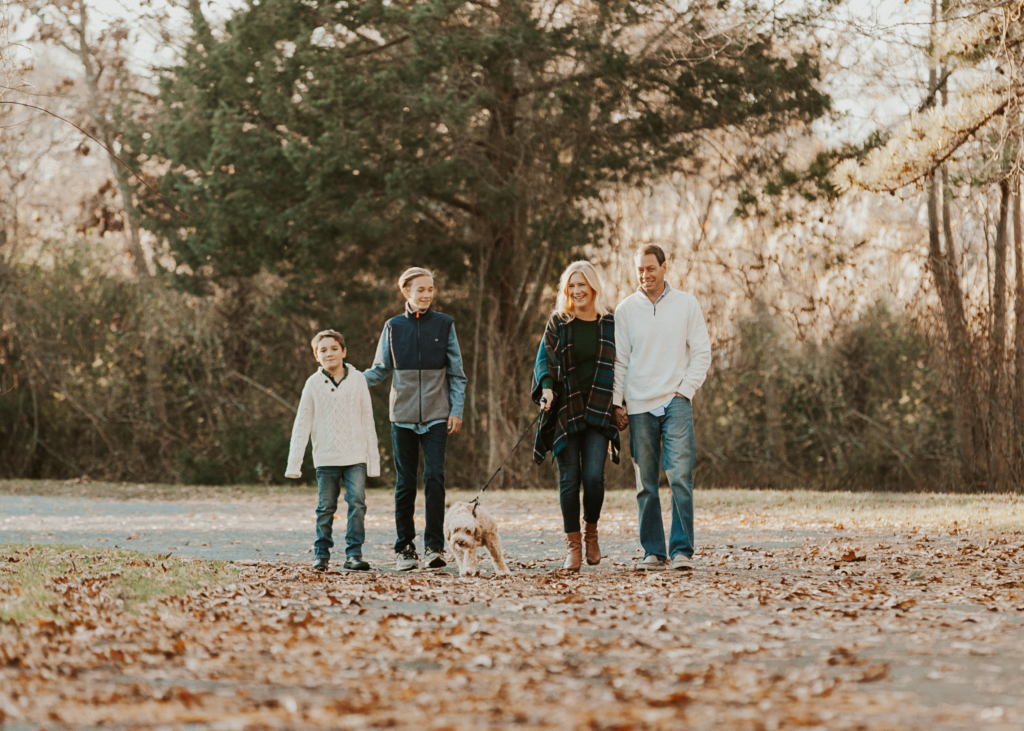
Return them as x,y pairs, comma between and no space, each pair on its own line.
340,421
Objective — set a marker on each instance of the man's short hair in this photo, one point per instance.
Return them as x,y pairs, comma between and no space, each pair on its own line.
328,334
659,253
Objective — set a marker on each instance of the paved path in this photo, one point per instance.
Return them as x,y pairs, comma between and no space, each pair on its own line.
284,528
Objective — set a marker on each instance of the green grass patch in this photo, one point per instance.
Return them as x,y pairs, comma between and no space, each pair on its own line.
32,577
152,491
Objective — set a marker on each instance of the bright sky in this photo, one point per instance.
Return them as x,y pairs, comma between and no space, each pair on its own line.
874,81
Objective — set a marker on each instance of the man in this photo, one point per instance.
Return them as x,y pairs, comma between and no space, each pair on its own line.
662,357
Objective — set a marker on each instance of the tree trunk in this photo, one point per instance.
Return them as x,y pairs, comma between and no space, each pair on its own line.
969,424
772,401
1017,447
147,284
515,274
998,453
474,410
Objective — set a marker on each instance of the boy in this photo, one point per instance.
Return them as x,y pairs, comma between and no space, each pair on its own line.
335,409
428,388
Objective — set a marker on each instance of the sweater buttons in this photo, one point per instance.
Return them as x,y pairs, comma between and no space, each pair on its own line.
332,390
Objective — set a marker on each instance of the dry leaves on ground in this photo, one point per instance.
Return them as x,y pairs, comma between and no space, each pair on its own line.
810,636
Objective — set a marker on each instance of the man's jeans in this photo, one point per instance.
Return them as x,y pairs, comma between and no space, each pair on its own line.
407,444
581,461
664,441
329,480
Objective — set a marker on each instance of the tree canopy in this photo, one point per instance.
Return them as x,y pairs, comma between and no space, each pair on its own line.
339,142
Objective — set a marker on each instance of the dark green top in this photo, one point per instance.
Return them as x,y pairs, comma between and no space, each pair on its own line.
584,346
344,374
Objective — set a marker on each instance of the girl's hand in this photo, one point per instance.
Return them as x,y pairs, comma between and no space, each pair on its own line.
547,398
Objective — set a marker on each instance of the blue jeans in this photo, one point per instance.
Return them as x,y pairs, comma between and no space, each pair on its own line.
581,461
664,442
407,444
329,480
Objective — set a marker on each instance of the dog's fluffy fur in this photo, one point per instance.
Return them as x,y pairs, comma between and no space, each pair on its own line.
466,528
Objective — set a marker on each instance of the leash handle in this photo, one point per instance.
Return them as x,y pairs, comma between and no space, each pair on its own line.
476,500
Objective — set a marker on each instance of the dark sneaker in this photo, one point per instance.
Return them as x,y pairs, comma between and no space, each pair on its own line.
434,559
408,559
321,564
356,563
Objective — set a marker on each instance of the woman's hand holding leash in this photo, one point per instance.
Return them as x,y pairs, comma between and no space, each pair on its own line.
547,398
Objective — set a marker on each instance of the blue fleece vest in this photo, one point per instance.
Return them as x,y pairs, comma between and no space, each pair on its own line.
419,352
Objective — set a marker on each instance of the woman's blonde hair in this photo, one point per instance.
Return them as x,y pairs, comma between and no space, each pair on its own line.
413,273
565,308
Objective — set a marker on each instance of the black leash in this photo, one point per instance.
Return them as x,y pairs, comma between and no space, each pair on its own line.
476,500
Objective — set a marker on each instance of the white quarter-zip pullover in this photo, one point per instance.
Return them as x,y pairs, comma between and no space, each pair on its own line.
660,349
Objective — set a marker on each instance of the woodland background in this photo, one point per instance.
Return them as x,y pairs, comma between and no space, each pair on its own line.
838,185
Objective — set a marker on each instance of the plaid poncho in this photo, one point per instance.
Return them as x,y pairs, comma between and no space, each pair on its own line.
569,414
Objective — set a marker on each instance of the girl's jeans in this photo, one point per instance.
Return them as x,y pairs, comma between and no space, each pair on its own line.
329,480
664,442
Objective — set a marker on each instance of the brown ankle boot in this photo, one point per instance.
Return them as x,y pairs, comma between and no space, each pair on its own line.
593,551
574,551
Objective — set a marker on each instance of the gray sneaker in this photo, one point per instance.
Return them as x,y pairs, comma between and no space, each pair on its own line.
652,563
681,562
408,559
434,559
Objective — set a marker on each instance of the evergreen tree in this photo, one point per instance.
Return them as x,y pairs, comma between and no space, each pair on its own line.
335,143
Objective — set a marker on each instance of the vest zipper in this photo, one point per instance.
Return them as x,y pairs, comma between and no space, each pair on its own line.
419,365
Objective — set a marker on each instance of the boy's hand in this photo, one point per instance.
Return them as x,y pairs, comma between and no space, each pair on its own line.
295,476
454,424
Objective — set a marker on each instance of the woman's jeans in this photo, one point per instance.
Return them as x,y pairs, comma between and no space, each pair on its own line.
329,480
664,441
581,461
407,444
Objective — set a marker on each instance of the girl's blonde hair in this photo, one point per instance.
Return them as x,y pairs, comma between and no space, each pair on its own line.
413,273
565,308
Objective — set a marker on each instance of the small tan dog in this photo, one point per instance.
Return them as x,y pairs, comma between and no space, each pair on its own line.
466,528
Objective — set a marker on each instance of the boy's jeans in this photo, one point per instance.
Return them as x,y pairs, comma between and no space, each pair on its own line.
329,479
664,441
407,443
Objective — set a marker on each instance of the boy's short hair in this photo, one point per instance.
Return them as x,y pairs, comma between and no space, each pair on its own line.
659,253
413,273
327,334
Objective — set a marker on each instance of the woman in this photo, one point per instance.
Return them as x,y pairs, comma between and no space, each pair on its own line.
572,380
428,391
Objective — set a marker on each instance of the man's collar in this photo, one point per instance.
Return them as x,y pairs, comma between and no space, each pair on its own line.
664,291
